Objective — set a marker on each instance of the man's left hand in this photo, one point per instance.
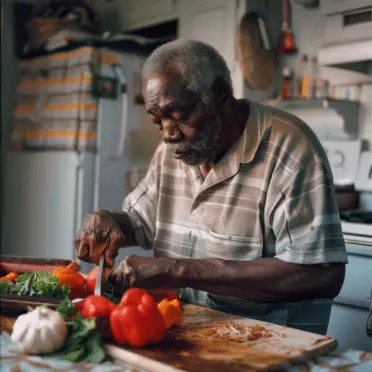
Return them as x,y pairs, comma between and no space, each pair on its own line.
144,272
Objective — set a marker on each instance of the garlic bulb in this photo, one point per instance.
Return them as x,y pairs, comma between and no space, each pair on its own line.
40,331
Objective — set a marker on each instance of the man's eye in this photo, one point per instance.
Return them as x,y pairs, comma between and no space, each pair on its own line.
155,120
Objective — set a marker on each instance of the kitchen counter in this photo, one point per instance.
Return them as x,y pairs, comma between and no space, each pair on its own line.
187,359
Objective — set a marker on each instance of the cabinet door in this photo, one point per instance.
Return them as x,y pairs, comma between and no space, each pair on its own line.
142,13
212,22
38,215
347,325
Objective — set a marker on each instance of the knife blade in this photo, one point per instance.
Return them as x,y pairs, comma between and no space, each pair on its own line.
99,284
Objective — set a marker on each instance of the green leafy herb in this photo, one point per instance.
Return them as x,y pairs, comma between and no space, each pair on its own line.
84,342
41,284
95,351
66,308
6,287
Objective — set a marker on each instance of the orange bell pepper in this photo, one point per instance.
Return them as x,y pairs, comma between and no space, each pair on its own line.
171,312
136,320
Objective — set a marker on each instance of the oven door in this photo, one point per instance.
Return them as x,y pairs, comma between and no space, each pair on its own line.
351,308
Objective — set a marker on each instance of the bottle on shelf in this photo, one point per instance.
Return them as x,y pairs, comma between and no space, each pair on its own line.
287,91
303,78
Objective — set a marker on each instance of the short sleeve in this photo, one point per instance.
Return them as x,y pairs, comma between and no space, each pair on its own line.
305,219
141,204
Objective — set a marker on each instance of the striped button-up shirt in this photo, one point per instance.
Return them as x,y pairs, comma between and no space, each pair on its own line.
271,195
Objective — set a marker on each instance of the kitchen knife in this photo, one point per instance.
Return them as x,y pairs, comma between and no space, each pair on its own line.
99,284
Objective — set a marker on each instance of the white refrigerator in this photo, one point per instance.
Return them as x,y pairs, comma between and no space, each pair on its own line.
46,194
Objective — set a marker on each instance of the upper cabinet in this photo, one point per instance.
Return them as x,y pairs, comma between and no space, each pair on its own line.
212,22
328,7
136,14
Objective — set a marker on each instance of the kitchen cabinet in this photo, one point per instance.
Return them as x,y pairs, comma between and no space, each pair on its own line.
137,14
210,21
214,22
338,6
350,309
129,15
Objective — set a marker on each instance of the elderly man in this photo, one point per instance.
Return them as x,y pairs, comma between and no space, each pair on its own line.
237,205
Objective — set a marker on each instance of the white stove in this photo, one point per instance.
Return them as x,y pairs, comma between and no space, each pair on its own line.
360,233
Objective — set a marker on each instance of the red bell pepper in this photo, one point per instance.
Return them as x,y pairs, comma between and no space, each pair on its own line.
161,294
97,306
136,320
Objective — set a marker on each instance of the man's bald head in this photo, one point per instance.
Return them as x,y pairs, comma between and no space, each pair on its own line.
197,63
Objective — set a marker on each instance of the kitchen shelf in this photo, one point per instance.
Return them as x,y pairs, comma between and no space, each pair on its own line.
349,110
337,104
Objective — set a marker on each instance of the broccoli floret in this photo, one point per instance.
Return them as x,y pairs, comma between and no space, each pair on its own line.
6,287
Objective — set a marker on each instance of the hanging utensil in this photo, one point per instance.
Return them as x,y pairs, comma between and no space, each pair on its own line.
286,39
255,55
99,281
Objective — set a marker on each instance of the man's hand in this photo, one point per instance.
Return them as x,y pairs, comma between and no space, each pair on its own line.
145,273
100,234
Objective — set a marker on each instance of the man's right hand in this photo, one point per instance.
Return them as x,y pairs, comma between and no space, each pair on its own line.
99,234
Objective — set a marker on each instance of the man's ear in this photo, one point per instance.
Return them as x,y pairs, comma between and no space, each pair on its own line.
221,92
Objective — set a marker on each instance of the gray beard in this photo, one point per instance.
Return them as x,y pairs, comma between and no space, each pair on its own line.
204,149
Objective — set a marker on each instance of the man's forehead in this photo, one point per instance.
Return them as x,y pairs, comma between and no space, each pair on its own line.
164,84
166,92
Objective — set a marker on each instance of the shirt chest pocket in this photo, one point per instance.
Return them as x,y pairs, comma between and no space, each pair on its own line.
232,247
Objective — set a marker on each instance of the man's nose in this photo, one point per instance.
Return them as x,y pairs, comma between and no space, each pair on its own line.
171,132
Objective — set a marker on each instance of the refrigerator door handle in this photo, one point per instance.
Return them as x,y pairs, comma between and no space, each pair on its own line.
119,72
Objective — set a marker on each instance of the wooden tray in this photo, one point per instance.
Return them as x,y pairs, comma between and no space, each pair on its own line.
15,304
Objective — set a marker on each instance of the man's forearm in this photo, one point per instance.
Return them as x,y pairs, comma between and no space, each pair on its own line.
126,227
267,279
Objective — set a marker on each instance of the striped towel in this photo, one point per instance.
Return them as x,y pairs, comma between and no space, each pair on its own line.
54,106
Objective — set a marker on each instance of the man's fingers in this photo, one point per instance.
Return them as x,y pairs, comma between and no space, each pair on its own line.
118,280
112,251
96,251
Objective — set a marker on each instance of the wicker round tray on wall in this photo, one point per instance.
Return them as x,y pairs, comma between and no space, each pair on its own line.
256,62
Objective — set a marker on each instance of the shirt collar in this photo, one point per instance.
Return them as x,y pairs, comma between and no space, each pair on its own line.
256,127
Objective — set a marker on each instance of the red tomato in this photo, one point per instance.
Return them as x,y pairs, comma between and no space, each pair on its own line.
78,305
92,277
97,306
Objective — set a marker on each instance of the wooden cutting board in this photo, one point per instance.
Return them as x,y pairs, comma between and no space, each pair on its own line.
211,341
208,340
